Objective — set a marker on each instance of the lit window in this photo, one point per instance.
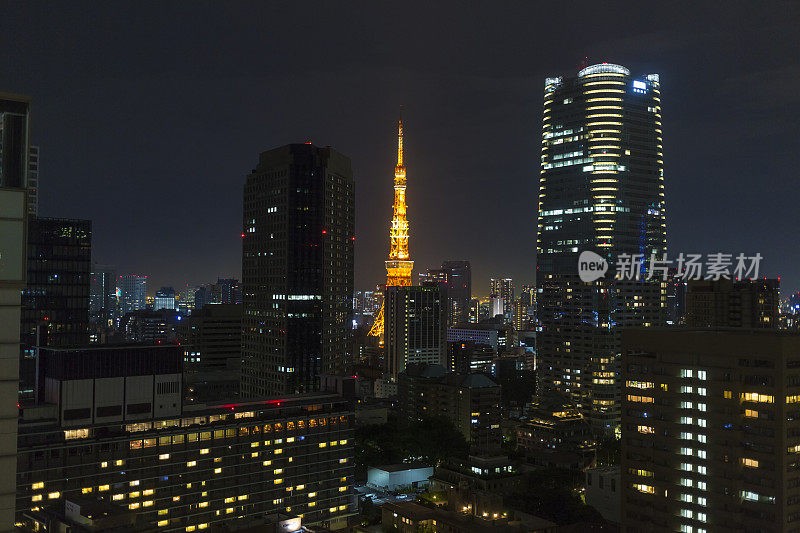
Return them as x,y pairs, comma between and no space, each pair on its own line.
163,456
278,481
36,498
117,497
162,523
102,488
204,451
217,470
756,397
39,485
191,463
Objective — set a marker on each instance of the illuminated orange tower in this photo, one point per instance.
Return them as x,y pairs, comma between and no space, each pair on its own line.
399,265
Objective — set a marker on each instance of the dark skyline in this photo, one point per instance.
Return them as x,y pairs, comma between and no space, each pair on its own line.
150,115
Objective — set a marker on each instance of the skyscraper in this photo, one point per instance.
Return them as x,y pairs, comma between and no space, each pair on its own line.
414,326
503,288
14,146
297,269
459,290
102,294
455,281
601,189
55,302
165,298
132,293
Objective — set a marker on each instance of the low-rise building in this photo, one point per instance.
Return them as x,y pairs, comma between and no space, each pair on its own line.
111,425
470,401
603,492
392,478
556,434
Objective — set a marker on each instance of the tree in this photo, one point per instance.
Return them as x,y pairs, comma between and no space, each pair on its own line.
430,440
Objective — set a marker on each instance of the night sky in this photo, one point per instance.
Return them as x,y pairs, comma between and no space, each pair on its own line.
150,115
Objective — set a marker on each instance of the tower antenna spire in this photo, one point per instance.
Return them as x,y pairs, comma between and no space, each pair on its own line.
400,140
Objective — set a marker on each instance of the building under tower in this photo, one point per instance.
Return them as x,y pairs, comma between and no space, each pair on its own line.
601,188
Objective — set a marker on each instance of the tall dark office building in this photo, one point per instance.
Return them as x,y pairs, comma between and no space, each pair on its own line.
601,189
102,294
459,290
455,281
297,269
55,302
230,291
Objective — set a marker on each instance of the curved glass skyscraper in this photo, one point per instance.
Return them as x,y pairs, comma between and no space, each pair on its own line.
601,189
